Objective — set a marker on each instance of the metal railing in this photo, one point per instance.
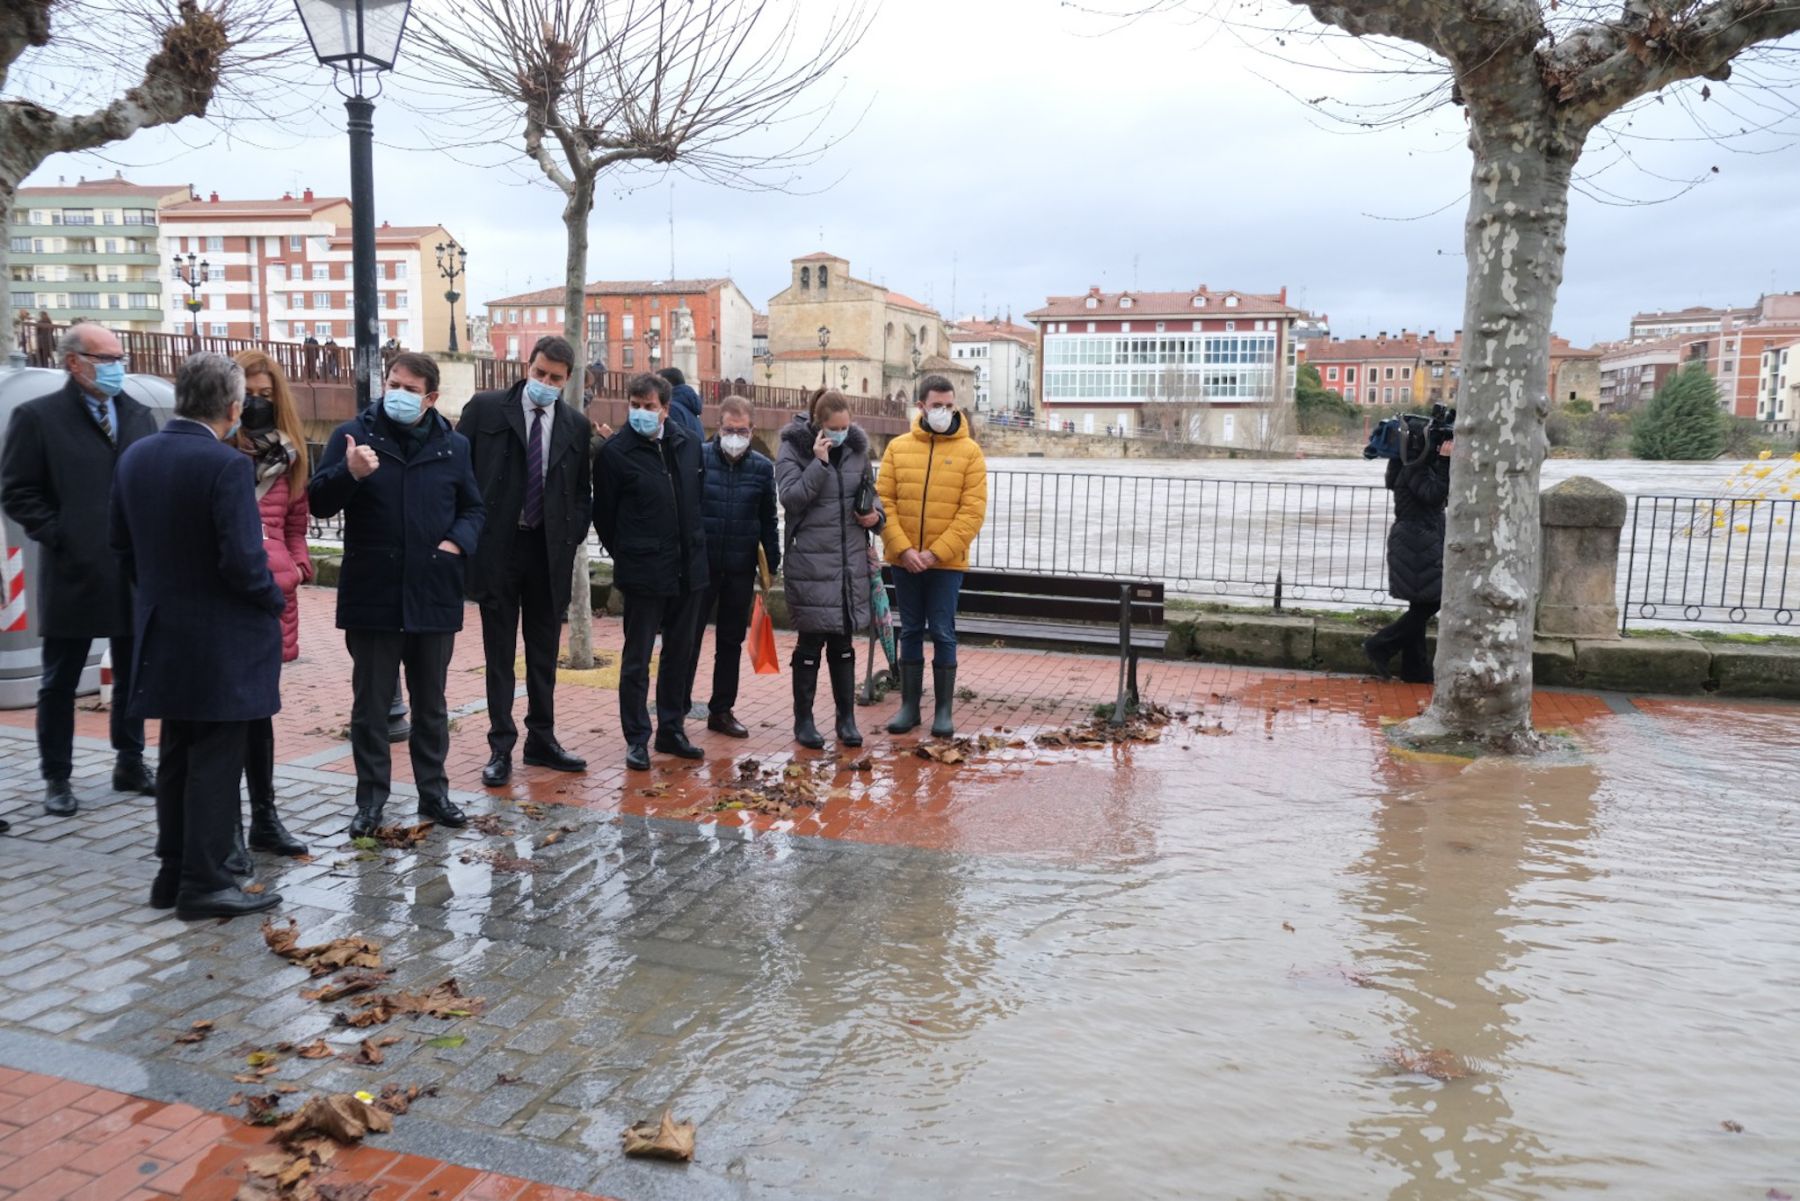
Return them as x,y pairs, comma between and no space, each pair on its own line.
1710,559
1279,542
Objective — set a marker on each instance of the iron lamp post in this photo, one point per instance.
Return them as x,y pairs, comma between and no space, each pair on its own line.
192,277
358,40
824,342
452,264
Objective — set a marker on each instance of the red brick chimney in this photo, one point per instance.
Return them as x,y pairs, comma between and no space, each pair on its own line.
1283,294
306,195
215,198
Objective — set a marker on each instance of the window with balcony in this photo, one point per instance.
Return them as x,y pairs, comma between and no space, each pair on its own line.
218,329
321,272
296,242
321,300
84,300
216,244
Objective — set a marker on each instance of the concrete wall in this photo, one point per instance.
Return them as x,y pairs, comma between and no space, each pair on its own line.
1013,442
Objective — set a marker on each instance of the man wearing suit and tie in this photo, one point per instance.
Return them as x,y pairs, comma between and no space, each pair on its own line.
206,623
530,455
55,480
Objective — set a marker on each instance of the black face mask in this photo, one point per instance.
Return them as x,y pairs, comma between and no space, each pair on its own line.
259,414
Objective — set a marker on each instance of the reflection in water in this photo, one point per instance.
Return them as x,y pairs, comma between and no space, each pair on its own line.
1438,890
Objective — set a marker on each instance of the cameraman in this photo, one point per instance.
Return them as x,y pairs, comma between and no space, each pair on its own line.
1420,481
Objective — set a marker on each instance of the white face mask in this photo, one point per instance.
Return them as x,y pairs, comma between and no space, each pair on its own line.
734,444
939,419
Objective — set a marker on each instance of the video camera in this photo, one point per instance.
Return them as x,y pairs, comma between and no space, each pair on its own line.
1410,436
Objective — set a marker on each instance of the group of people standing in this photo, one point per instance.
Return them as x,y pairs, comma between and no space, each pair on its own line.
186,548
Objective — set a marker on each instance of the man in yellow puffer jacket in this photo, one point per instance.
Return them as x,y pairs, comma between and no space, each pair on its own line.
933,487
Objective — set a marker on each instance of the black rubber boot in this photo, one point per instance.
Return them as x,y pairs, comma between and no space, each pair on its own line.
806,687
943,692
239,863
267,834
843,697
912,688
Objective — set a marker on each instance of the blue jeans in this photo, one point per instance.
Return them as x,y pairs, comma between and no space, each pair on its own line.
928,603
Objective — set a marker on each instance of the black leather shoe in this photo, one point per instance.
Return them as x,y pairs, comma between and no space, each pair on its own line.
1378,665
227,902
366,821
497,772
443,811
58,800
133,775
674,742
552,755
637,757
727,724
162,891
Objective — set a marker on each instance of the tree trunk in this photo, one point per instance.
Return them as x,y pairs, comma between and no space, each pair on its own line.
1515,239
9,336
575,221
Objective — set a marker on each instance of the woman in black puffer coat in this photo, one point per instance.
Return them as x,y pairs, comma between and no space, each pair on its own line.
825,568
1415,553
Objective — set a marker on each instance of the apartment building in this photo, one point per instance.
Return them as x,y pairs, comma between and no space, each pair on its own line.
88,251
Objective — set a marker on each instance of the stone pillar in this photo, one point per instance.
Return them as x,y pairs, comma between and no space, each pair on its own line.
684,350
456,384
1579,570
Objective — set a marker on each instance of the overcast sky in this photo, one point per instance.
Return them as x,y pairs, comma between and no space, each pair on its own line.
1014,149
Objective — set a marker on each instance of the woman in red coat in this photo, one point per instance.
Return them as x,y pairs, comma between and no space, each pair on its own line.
272,436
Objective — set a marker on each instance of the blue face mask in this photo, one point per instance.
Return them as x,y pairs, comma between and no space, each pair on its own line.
837,436
644,421
541,394
109,378
403,407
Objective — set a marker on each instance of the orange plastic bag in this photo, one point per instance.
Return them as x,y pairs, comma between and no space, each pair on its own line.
762,641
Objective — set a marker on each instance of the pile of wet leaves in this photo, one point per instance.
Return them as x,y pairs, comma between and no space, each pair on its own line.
324,958
307,1141
446,1000
662,1139
778,791
1145,722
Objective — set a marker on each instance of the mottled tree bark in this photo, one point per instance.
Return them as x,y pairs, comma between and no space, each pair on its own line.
576,211
178,81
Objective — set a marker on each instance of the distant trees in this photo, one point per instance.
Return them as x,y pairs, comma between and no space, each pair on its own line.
1683,420
1321,411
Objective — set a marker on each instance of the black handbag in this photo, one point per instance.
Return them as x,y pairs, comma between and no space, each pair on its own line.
863,503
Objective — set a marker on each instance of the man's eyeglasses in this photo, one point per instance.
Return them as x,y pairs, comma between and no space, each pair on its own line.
104,358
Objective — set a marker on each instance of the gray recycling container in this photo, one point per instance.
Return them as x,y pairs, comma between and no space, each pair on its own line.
20,657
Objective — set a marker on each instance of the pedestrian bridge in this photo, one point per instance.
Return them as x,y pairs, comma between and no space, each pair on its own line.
324,391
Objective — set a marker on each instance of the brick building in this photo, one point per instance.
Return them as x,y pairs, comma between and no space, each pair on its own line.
626,320
88,251
1201,365
1381,370
1733,355
281,269
1631,373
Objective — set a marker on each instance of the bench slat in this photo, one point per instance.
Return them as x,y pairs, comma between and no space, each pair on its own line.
1086,587
1057,608
1051,631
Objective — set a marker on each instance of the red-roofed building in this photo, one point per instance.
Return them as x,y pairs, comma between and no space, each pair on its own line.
281,269
872,335
1381,371
1204,365
1003,356
1733,355
627,319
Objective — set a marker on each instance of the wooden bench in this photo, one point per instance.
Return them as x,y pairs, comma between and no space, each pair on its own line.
1067,610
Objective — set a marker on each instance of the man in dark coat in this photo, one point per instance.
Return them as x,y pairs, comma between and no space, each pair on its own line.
309,352
738,509
46,340
206,626
684,403
647,486
1421,488
412,515
56,477
531,462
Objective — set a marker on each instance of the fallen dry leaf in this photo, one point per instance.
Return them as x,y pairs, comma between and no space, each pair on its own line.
444,1001
369,1053
398,1098
667,1139
339,1116
347,985
489,823
401,838
531,809
344,1190
195,1033
866,763
1731,1127
1286,926
316,1049
262,1109
501,1079
255,889
324,958
944,752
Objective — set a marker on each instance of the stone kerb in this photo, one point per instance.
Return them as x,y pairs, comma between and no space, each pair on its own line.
1581,520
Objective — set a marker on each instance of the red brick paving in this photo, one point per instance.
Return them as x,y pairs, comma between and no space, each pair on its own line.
63,1141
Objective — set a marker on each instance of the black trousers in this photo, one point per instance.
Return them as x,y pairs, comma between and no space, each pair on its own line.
377,655
726,603
198,766
645,618
259,760
64,660
528,603
1407,636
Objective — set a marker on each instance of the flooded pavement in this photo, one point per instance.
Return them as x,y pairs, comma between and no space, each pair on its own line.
1261,957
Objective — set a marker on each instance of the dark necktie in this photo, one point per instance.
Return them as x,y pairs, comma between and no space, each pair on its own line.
105,424
533,516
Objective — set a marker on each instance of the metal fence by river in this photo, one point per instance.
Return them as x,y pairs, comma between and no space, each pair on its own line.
1323,543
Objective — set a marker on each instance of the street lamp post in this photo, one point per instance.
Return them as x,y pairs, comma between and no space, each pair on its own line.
193,278
452,264
768,364
824,341
358,39
843,377
917,360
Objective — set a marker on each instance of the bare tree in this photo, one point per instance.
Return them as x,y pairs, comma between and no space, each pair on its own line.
584,87
1535,80
191,51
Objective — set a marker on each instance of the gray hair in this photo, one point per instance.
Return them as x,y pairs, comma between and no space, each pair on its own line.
73,340
206,386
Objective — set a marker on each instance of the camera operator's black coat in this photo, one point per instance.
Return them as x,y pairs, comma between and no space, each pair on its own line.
1415,548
